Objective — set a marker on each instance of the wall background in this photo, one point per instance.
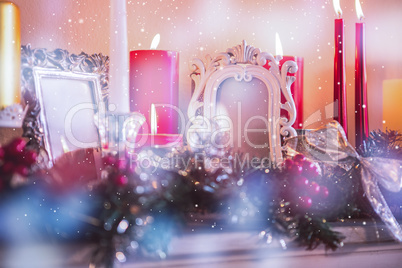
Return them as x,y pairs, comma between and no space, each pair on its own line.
196,28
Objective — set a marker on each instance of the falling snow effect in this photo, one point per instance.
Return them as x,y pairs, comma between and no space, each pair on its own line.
196,28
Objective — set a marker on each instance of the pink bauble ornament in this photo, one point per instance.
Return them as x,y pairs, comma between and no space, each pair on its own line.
292,168
8,168
121,164
15,147
305,202
121,180
288,163
109,160
299,158
296,170
324,192
310,170
301,182
314,188
22,170
30,157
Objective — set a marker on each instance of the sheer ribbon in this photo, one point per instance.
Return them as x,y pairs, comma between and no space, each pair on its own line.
329,144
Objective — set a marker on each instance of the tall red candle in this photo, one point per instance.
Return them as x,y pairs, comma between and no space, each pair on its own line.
361,117
340,108
154,79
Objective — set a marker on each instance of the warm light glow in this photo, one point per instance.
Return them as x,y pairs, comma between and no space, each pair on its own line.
154,125
64,144
359,11
391,107
10,55
278,45
155,41
337,7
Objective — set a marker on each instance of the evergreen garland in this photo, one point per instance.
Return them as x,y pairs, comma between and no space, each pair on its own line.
386,144
135,210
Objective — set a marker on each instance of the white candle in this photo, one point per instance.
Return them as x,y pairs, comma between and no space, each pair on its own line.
154,124
118,66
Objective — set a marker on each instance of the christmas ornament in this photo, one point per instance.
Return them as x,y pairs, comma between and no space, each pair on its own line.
16,162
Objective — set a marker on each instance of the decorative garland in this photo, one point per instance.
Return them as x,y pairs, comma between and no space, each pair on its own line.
385,144
135,210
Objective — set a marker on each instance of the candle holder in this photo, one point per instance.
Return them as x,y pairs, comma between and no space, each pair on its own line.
12,116
118,131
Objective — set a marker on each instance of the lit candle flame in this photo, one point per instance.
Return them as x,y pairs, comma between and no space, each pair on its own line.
278,45
155,41
154,125
337,7
359,11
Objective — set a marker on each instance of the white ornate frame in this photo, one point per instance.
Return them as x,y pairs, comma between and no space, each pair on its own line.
244,62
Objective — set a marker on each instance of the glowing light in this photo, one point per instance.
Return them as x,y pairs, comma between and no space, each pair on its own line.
139,221
337,7
155,41
134,244
162,255
283,244
359,11
149,219
154,125
139,190
64,144
120,256
262,234
123,225
278,45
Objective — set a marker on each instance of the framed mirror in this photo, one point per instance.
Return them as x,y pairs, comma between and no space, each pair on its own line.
237,80
63,92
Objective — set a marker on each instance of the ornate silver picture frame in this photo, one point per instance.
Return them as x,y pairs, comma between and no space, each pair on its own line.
63,93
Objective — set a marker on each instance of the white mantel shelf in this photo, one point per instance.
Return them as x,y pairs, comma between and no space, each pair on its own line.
220,248
362,248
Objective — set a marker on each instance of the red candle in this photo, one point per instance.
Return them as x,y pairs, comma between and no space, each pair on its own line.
154,79
158,140
340,109
361,117
144,139
296,88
